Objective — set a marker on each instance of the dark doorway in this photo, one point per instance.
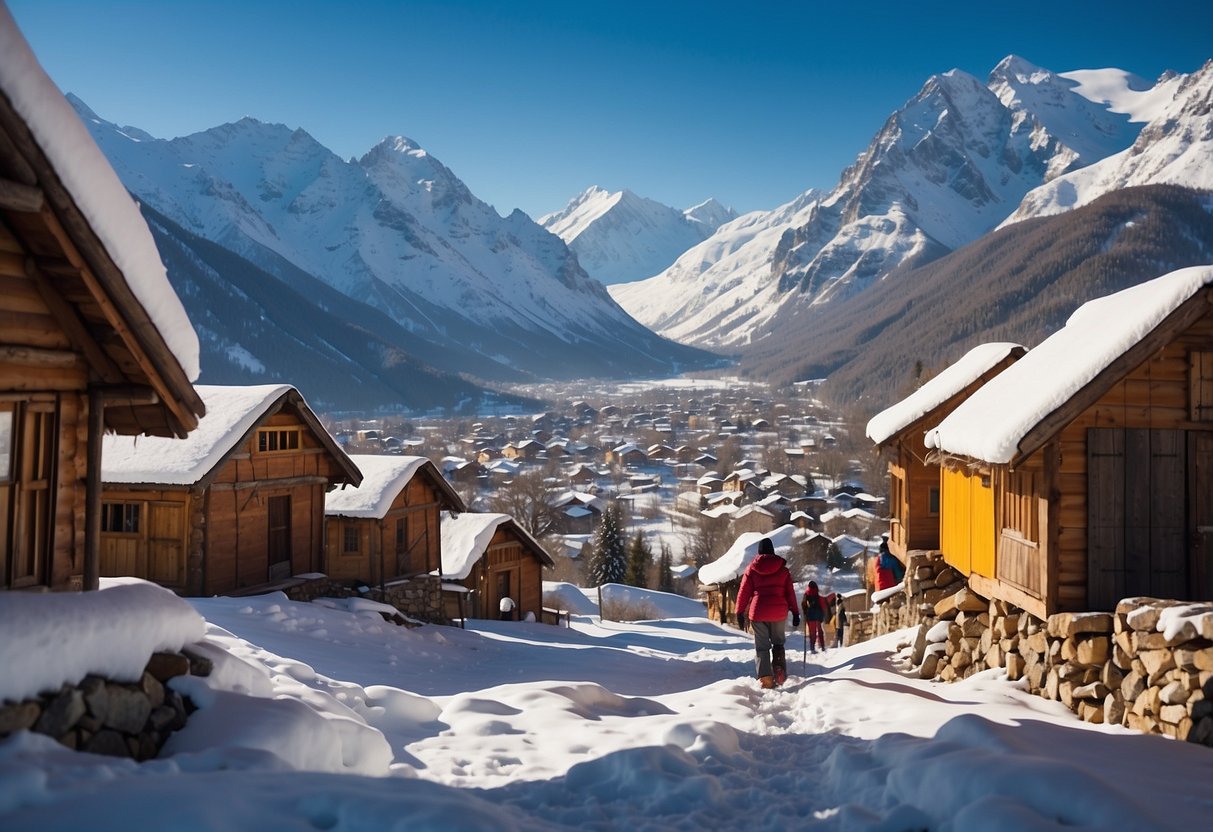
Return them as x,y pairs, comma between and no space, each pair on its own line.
279,543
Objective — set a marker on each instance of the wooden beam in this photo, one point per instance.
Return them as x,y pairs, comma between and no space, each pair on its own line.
289,482
15,196
34,357
72,324
92,491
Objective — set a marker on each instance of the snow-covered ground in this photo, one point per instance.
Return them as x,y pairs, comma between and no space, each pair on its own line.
322,717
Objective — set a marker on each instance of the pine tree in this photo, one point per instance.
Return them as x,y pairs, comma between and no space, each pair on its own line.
665,561
640,555
610,562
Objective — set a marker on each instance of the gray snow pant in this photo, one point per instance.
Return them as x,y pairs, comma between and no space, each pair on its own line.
766,634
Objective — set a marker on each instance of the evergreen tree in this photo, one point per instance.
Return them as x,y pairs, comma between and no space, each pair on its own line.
665,561
610,562
640,555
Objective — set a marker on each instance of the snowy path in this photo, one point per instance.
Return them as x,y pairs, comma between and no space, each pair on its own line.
655,725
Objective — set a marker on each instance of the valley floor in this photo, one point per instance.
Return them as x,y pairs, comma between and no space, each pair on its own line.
355,724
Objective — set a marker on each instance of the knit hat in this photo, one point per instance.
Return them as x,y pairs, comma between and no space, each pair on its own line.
766,547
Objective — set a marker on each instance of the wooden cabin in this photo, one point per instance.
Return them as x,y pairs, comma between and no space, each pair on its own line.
92,336
236,506
387,528
1081,474
489,557
899,432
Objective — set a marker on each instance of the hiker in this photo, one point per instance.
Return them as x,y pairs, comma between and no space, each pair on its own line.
840,618
765,598
889,570
814,607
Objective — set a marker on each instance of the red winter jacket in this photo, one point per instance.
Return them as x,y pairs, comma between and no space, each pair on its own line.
766,592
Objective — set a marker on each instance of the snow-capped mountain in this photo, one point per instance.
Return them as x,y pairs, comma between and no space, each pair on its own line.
396,230
1174,147
945,169
620,237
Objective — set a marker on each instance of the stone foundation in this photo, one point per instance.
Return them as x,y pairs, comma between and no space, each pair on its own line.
120,719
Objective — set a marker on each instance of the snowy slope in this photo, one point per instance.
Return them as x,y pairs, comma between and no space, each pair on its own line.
945,169
620,237
1174,147
395,229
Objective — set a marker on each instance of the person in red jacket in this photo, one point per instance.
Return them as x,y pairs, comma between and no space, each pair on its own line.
764,599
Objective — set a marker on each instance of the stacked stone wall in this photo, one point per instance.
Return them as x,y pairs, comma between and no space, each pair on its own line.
103,716
1147,666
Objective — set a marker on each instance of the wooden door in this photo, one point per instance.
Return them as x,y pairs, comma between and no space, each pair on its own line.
1200,494
279,544
6,490
1137,502
166,543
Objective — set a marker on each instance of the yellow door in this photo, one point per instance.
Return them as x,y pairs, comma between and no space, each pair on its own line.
955,496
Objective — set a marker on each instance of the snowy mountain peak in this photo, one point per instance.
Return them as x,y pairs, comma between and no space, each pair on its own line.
711,212
944,169
620,236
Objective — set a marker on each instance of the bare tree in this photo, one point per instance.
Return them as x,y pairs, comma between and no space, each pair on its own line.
707,540
529,502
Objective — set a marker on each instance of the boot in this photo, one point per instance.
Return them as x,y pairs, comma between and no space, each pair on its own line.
766,681
779,664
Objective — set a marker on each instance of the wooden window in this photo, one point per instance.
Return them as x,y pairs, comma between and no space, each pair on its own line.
1020,510
274,440
933,501
6,445
897,496
401,536
1200,383
120,518
349,543
27,491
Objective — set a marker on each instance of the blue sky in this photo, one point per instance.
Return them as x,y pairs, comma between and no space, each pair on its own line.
531,102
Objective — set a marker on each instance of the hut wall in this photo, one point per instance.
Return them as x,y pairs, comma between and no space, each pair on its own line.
43,434
1153,396
158,544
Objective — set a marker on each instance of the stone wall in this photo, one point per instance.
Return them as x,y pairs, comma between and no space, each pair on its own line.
418,598
121,719
1147,666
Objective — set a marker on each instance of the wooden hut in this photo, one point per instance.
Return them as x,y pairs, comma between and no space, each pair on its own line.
486,557
94,337
235,506
899,431
1081,474
387,528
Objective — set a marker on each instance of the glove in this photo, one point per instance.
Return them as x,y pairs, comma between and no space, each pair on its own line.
795,621
741,620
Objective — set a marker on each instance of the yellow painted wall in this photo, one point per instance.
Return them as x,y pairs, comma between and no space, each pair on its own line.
967,523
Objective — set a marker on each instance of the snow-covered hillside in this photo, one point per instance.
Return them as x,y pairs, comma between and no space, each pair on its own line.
946,168
395,229
1174,147
620,237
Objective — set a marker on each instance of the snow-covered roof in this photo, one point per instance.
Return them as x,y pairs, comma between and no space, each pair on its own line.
383,477
466,537
95,189
230,413
971,366
744,549
990,423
